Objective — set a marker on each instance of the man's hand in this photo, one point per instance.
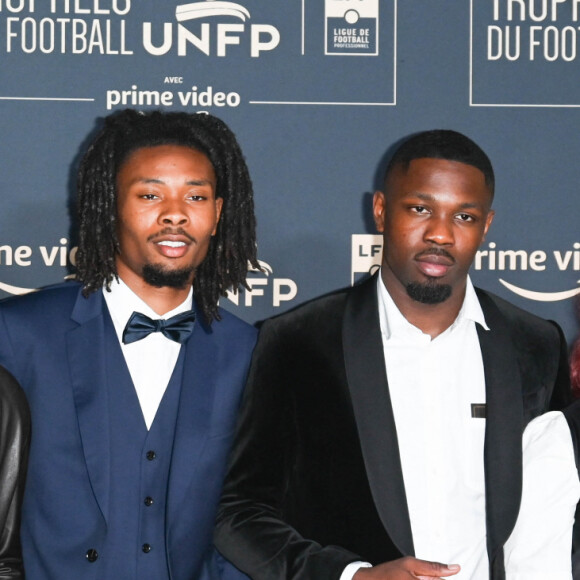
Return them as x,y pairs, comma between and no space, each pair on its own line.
406,569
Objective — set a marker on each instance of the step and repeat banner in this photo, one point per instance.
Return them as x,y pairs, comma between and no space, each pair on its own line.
318,93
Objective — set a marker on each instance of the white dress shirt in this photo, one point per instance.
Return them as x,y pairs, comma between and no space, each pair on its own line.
432,385
540,544
152,359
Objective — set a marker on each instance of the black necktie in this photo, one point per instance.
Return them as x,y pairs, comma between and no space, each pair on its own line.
177,328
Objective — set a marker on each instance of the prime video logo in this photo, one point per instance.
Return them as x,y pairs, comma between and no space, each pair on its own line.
210,38
367,251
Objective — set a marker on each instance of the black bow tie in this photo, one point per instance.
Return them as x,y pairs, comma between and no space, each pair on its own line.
177,328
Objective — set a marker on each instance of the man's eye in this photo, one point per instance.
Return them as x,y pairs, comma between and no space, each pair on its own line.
149,196
419,209
464,217
196,197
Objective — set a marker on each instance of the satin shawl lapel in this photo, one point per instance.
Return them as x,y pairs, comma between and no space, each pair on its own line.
194,416
367,380
86,359
504,426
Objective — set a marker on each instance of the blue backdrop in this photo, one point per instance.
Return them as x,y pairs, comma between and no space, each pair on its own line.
318,92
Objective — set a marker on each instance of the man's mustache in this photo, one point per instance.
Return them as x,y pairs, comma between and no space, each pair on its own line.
435,252
170,232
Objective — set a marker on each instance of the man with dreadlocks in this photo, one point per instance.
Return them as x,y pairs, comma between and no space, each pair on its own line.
133,373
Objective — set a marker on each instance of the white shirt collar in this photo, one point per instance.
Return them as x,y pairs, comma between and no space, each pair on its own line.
394,323
122,302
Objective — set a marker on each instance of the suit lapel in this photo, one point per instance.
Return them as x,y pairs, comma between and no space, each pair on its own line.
194,415
367,380
86,359
364,360
504,426
87,364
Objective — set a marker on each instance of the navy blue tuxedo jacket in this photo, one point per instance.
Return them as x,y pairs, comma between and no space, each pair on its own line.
53,343
315,479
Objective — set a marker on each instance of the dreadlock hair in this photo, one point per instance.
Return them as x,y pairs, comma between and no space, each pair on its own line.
234,244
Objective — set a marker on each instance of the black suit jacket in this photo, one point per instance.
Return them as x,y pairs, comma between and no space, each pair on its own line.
315,480
572,414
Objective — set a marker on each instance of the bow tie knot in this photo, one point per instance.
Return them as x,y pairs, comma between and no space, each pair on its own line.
177,328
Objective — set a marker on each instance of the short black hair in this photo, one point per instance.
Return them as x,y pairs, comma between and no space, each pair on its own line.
443,144
230,250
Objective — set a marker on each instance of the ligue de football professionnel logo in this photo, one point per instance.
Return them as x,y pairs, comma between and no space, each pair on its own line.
352,27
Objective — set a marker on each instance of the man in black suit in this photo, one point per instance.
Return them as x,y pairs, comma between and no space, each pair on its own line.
383,423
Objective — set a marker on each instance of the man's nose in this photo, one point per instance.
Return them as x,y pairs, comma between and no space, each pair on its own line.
440,231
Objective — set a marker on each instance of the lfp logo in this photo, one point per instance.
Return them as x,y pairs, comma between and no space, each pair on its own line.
352,27
366,255
208,34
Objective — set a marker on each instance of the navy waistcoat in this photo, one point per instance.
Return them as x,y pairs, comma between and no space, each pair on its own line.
135,547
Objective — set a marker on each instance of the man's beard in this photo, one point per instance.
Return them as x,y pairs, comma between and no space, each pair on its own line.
157,276
428,292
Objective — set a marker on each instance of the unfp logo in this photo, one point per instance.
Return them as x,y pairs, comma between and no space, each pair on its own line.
200,28
263,285
352,27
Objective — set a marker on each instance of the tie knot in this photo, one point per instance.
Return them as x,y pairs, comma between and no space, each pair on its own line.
177,328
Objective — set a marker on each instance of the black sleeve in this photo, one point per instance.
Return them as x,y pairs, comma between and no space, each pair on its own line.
251,530
14,442
572,414
562,393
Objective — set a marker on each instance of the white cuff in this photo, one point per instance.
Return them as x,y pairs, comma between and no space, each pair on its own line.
352,569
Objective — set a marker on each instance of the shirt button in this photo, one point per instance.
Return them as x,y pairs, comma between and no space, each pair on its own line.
91,555
148,501
151,455
146,548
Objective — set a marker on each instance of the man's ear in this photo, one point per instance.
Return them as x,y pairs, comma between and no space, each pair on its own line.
379,210
488,221
219,202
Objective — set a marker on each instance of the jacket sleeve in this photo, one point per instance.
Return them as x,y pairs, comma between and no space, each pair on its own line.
14,442
562,393
252,529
